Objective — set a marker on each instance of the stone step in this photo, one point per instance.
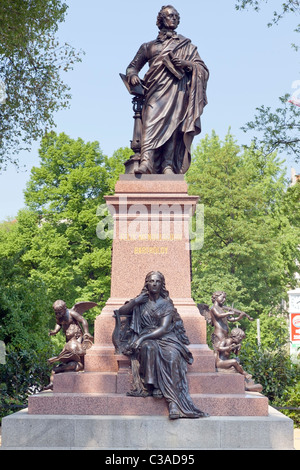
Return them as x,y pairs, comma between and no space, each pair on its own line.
215,383
112,382
50,403
104,359
22,431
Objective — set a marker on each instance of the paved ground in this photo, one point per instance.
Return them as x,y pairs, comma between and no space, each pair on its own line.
296,438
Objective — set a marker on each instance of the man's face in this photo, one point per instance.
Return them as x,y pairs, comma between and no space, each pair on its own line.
170,18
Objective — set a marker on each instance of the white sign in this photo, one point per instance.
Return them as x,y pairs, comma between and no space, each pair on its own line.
294,301
2,352
3,94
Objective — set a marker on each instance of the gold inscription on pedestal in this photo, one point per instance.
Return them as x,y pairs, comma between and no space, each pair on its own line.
150,250
152,238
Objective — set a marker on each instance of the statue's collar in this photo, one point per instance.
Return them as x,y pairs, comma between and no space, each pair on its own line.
165,34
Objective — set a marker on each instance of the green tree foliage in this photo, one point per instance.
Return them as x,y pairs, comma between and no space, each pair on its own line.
31,61
269,362
277,129
272,368
250,239
51,251
288,403
22,299
65,191
24,316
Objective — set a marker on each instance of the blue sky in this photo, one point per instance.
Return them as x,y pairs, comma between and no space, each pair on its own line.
250,65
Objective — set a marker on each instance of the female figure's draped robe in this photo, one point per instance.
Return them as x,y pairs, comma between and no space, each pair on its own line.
163,361
173,106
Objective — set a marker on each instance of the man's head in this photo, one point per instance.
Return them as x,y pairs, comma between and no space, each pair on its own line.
168,18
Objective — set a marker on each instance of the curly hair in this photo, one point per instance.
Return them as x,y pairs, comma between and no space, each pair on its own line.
217,294
58,304
161,15
238,334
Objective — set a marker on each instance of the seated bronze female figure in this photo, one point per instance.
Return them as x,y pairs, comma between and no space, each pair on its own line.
158,344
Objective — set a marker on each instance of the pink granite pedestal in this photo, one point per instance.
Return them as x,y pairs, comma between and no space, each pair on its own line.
151,220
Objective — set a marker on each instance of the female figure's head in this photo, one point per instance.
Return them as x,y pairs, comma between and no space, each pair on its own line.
155,283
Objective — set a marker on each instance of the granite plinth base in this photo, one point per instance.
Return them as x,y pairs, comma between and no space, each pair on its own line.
50,403
108,382
22,431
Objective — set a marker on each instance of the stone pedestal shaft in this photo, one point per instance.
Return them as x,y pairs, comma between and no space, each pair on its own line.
151,233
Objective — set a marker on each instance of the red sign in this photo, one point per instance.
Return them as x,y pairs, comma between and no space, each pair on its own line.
295,327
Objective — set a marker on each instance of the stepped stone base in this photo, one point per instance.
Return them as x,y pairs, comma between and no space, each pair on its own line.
49,403
90,409
110,382
23,431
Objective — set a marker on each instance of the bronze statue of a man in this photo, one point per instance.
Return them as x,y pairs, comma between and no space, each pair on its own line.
175,95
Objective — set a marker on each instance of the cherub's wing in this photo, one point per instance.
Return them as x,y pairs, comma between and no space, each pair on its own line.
82,307
205,312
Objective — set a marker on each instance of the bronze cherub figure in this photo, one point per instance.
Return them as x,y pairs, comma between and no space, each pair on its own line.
78,338
224,341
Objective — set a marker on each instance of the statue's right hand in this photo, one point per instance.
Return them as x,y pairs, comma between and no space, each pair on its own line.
142,299
135,80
